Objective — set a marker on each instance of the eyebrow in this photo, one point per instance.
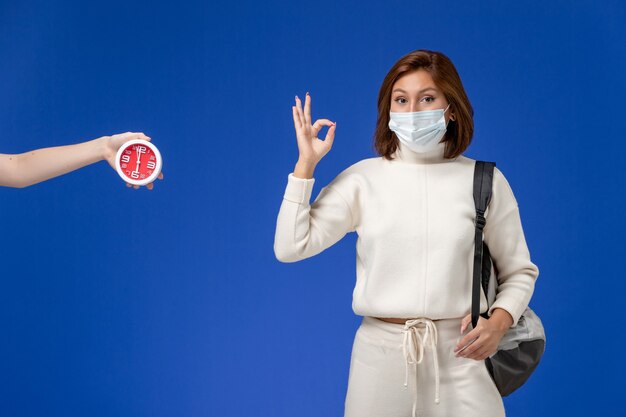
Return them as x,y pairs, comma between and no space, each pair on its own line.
419,92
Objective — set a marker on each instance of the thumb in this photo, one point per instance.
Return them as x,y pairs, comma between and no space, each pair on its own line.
465,322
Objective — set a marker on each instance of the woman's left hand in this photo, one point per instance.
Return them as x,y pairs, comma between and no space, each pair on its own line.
483,340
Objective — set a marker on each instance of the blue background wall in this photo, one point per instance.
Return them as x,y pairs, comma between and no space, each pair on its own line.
115,302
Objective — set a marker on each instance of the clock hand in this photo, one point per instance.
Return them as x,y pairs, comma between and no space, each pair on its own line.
138,160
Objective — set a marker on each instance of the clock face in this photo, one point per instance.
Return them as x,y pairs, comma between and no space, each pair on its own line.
138,162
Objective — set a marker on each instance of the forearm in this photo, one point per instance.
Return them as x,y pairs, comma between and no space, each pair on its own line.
39,165
303,229
293,223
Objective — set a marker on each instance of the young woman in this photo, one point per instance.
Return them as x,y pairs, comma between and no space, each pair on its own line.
412,207
29,168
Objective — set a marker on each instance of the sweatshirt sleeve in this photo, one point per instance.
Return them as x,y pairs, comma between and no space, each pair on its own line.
504,236
304,230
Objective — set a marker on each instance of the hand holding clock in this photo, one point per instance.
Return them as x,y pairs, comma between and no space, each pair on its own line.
117,143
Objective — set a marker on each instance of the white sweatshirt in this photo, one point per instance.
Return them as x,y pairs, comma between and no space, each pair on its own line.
414,217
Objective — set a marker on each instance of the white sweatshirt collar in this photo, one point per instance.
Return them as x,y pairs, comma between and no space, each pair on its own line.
404,154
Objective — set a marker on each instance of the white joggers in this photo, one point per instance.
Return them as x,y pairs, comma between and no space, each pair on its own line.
410,370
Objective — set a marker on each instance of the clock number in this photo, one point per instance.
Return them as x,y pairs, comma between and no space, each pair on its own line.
151,165
141,148
125,158
134,174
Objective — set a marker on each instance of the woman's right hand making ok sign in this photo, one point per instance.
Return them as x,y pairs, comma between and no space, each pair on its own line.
311,148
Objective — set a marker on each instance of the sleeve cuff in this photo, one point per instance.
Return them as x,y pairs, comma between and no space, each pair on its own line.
298,189
513,308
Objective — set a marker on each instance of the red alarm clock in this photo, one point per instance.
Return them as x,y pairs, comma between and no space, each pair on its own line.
138,162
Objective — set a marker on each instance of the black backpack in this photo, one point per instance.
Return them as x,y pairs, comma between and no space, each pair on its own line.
521,348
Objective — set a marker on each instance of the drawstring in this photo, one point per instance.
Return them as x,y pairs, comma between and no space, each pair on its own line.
417,333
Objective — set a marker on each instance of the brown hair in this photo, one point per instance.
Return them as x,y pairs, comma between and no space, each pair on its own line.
459,132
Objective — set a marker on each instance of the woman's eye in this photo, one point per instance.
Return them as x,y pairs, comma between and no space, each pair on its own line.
400,100
428,99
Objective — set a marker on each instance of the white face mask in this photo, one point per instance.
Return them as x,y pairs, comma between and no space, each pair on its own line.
420,131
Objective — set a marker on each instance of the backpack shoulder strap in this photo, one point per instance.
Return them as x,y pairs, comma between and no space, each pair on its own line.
483,179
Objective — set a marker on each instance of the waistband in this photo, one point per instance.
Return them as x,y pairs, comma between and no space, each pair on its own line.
391,331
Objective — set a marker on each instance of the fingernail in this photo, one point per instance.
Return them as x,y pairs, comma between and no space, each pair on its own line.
307,93
297,98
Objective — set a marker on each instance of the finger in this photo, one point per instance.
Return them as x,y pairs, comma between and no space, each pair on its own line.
465,343
319,123
136,187
138,135
307,109
473,347
478,354
467,339
296,119
481,354
128,185
306,125
160,176
150,186
330,135
470,351
299,109
464,352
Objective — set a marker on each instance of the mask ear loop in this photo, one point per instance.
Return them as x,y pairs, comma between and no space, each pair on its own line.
444,112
